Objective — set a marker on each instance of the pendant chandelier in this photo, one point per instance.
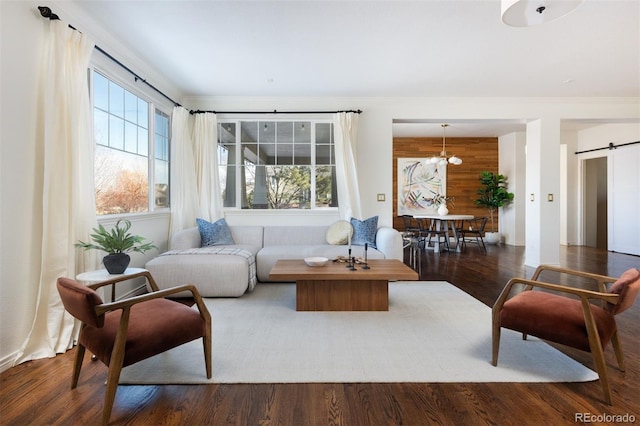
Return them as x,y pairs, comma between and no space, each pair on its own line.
442,159
525,13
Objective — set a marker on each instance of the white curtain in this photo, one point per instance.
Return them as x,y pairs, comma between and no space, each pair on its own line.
346,133
205,142
184,207
68,199
195,187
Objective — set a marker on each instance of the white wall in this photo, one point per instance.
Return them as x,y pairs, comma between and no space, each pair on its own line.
512,164
20,214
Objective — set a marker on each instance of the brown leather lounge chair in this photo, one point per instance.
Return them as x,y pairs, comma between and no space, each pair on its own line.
124,332
572,321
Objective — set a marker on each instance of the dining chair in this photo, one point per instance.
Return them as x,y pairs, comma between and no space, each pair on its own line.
568,315
124,332
437,230
413,239
472,228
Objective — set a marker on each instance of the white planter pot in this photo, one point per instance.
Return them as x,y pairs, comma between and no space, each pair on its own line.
492,237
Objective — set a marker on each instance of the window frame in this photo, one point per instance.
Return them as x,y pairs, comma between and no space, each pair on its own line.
120,76
237,121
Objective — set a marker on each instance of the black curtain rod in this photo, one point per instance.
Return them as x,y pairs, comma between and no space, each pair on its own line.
610,146
46,12
275,112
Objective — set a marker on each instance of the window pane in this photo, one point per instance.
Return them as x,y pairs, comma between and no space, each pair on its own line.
285,132
116,100
143,114
302,154
267,132
287,187
324,133
100,91
130,107
284,153
121,182
227,133
116,133
130,137
248,173
162,165
266,154
324,154
100,127
226,162
302,132
249,131
161,177
326,191
143,141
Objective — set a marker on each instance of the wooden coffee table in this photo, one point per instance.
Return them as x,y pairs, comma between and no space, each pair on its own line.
333,287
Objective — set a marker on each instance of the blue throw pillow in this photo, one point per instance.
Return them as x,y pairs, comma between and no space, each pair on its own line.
214,234
364,231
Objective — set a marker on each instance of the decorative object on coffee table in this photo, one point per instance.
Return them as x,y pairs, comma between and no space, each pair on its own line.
116,243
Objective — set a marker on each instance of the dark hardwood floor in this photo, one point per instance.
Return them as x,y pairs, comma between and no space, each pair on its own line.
38,392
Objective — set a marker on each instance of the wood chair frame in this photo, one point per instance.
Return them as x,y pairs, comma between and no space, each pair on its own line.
118,353
602,295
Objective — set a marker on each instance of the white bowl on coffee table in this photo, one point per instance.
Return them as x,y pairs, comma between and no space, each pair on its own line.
316,261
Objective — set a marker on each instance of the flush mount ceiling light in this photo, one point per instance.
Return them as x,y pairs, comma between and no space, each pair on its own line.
442,159
525,13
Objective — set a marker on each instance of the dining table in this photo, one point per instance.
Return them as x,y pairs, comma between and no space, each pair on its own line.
444,222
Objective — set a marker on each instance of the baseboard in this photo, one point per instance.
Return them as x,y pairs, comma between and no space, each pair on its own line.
6,362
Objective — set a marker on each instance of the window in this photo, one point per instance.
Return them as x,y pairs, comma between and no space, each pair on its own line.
132,150
277,164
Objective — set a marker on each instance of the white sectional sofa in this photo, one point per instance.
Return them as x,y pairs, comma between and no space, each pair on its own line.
227,271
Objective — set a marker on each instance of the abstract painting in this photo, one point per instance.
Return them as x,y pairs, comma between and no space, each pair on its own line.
418,181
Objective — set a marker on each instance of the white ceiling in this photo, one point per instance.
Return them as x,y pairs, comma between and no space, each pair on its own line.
431,48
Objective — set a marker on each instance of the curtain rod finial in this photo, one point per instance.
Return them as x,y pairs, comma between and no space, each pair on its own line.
46,12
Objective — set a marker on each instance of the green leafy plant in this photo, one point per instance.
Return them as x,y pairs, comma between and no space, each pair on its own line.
493,193
118,240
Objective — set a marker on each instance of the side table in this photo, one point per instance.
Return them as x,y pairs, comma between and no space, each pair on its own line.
102,275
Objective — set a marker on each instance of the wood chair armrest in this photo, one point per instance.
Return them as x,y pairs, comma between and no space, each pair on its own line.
530,284
601,280
120,278
127,303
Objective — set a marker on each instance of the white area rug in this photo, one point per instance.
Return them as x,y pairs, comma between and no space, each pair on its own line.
433,332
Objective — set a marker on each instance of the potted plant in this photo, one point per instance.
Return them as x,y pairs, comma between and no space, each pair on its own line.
117,243
493,194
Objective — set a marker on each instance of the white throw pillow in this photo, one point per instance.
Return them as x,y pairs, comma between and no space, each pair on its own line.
339,232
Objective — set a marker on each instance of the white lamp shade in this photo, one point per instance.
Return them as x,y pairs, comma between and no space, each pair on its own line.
524,13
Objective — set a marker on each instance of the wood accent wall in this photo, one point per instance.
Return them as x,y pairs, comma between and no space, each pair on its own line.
477,154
